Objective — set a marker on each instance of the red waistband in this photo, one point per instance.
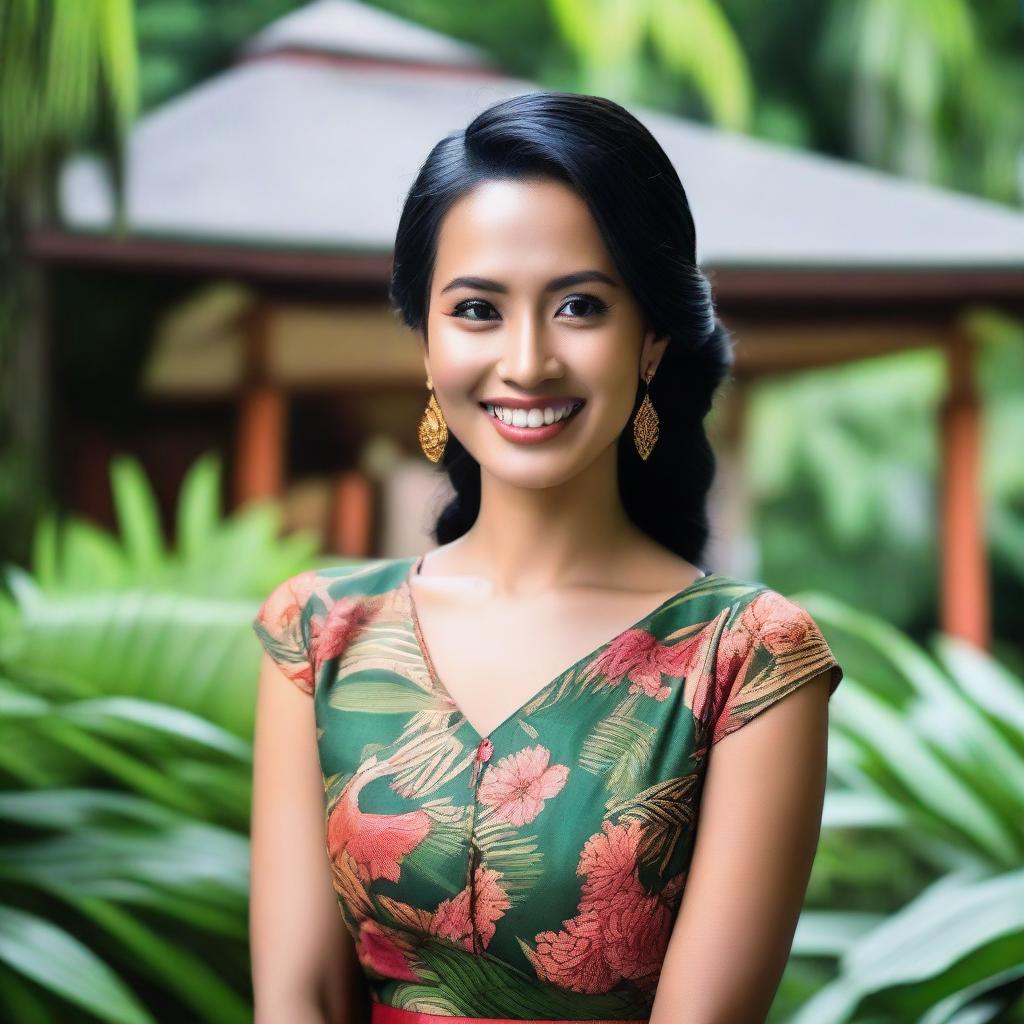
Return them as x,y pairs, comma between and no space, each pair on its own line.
383,1014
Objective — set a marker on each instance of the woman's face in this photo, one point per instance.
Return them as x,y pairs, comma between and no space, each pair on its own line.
503,330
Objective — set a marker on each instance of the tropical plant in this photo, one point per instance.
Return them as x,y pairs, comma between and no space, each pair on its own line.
68,78
927,94
181,42
124,868
169,618
925,88
126,703
693,40
918,891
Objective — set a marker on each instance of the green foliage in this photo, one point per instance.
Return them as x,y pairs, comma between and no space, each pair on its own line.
926,93
184,41
170,620
115,868
68,77
917,891
926,88
239,556
59,962
127,674
853,501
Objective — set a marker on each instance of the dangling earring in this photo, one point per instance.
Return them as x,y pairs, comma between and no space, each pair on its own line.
645,422
433,430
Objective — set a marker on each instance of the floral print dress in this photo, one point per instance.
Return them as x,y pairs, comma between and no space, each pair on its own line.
534,873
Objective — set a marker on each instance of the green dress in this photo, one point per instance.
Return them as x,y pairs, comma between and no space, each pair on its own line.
534,873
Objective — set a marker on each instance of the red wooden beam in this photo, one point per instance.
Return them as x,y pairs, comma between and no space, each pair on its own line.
262,422
965,601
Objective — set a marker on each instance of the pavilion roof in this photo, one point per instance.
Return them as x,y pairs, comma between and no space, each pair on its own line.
311,142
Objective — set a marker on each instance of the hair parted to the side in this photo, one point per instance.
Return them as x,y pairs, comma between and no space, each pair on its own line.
617,167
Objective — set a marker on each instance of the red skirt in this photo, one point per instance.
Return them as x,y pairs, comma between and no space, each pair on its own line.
382,1014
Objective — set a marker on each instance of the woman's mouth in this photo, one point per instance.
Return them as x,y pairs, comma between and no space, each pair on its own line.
530,426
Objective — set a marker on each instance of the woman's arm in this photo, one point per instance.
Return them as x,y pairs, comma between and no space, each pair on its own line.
304,967
757,834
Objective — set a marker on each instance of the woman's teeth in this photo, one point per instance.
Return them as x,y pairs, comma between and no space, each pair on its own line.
532,417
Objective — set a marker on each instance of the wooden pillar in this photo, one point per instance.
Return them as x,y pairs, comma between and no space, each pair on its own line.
965,604
352,515
260,442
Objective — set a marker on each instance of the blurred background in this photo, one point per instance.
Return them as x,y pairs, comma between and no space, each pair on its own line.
202,391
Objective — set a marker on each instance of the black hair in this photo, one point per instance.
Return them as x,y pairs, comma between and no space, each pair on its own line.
617,167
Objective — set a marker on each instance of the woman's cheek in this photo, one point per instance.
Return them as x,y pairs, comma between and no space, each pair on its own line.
612,382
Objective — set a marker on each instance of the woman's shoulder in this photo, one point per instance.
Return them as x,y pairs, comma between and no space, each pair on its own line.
759,609
778,634
312,612
746,590
367,577
363,577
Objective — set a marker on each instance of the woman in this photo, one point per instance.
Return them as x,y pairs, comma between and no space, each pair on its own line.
511,738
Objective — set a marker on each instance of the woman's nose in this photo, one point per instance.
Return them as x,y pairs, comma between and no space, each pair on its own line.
527,357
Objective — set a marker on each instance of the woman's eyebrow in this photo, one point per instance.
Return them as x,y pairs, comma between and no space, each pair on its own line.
555,284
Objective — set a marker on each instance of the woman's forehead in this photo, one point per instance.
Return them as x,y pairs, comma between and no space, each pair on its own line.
521,229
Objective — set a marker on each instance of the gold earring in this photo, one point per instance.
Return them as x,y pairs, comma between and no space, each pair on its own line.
433,430
645,423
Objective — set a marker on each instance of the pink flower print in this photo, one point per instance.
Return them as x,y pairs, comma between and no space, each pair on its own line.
573,958
376,842
609,861
453,920
516,786
281,615
636,931
635,654
680,658
735,648
288,608
619,931
708,672
769,623
378,949
780,623
328,635
735,653
490,903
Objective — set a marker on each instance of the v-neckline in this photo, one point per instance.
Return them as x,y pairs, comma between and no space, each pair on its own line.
438,684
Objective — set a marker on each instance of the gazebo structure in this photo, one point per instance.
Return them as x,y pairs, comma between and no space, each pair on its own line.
285,174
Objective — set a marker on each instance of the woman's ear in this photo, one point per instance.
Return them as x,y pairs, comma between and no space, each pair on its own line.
651,351
426,352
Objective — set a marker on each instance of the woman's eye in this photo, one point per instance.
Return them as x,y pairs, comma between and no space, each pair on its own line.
582,306
598,307
475,304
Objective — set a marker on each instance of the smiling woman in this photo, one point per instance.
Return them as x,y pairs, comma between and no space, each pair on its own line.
533,803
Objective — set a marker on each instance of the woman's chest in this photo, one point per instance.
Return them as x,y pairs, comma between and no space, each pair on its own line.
582,809
492,662
520,677
491,658
581,805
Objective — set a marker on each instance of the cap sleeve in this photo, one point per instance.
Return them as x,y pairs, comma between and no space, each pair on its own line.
774,647
281,626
